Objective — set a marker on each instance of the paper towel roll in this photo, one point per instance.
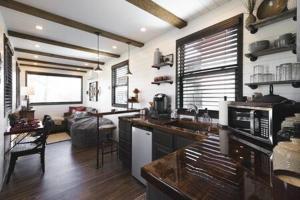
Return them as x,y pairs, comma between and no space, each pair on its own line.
223,113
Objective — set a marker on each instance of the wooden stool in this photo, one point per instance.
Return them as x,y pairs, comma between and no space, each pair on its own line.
107,130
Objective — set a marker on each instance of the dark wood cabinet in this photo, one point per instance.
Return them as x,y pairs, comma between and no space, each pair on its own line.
165,143
162,144
125,134
180,142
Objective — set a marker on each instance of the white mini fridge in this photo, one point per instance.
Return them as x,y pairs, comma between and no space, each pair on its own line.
141,151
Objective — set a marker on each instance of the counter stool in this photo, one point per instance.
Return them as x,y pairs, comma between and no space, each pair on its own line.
108,141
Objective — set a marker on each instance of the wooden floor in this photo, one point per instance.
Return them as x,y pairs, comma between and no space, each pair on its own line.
70,175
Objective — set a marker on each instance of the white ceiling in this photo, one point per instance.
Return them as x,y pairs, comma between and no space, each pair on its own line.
116,16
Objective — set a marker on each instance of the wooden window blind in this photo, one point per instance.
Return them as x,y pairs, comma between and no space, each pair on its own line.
8,53
209,65
120,84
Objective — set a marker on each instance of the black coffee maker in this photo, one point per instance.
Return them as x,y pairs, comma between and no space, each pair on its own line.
161,106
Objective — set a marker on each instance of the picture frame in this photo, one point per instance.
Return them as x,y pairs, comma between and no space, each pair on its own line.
167,58
93,91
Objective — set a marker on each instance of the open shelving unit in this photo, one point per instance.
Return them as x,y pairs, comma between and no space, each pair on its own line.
294,83
162,82
253,56
253,28
158,66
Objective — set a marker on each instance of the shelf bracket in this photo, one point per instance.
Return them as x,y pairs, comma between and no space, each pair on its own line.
253,87
253,58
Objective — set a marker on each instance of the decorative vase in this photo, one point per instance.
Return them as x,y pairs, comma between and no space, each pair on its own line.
250,19
157,56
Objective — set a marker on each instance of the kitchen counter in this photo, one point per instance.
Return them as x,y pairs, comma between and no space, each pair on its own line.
166,125
221,166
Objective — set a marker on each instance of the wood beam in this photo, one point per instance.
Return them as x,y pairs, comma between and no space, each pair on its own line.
53,63
56,56
49,67
61,44
158,11
24,8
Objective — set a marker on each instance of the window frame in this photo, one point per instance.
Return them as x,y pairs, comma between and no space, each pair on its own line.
58,75
236,21
8,72
18,85
113,84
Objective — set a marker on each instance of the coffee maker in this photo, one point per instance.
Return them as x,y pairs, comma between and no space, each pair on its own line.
161,106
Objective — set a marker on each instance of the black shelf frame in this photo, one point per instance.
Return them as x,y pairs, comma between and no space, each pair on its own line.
253,28
253,56
158,66
161,82
294,83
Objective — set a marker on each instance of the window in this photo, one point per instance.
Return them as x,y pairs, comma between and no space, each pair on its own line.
51,89
120,84
8,53
18,100
209,65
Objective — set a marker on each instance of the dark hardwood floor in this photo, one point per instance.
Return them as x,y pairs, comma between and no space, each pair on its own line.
71,175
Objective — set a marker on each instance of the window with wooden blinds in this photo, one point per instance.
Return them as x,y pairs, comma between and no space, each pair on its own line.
120,84
209,65
8,54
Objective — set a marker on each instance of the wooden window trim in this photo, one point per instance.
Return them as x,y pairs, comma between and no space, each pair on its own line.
234,21
59,75
113,69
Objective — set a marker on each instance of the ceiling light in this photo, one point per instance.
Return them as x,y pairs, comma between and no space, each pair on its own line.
37,46
78,68
98,68
143,29
35,63
86,64
38,27
35,56
114,47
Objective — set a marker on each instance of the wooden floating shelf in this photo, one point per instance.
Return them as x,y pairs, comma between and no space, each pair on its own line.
158,66
253,56
161,82
294,83
253,28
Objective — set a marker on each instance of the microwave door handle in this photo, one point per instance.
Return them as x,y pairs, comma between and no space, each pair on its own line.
252,121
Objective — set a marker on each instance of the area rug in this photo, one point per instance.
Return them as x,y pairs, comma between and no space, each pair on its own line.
58,137
141,197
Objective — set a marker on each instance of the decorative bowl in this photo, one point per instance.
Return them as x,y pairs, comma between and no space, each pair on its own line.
270,8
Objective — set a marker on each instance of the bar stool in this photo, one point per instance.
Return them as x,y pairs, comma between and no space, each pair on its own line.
107,141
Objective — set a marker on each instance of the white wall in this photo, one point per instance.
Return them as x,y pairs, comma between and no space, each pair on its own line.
52,110
3,119
142,58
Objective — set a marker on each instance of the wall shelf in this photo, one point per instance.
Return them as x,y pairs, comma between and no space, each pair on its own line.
253,56
253,28
158,66
294,83
161,82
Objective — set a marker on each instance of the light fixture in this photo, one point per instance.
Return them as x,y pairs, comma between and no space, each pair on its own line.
78,68
98,68
39,27
86,64
143,29
35,63
114,47
36,56
37,46
128,69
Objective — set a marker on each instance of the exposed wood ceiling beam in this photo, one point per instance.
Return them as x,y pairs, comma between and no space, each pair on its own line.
53,63
58,43
158,11
56,56
49,67
24,8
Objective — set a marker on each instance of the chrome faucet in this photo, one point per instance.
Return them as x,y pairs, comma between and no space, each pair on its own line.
194,108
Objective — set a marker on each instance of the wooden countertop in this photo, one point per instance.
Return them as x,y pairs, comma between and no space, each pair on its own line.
218,167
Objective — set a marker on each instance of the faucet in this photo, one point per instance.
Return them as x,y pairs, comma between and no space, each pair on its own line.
195,109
